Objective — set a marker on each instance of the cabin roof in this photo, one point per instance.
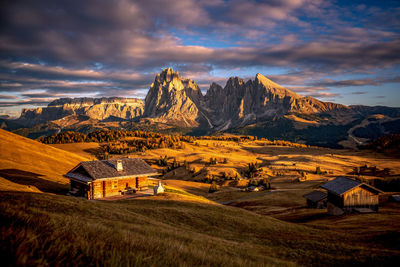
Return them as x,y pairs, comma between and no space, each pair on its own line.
316,196
341,185
104,169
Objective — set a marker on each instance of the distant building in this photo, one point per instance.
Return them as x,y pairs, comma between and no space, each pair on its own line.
316,199
347,195
104,178
158,188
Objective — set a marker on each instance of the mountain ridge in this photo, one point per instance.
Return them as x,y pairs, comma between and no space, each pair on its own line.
257,106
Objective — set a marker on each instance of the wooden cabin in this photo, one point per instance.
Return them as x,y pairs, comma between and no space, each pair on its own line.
348,195
316,199
104,178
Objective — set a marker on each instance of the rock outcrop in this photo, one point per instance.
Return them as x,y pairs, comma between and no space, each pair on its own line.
240,103
94,108
173,99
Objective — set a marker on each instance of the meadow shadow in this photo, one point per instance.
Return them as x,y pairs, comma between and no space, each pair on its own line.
97,152
33,179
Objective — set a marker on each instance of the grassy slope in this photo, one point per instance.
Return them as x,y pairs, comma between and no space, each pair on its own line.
42,229
27,165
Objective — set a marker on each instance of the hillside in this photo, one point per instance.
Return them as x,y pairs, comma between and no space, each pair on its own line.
27,165
59,230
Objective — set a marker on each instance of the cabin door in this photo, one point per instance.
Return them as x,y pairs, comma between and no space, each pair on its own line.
137,182
104,188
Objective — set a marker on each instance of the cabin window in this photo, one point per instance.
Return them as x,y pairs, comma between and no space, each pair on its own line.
114,184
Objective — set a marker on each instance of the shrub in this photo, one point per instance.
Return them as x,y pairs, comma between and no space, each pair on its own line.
265,182
213,161
213,188
317,170
162,161
252,170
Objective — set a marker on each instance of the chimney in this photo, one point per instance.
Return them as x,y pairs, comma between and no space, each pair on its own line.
119,165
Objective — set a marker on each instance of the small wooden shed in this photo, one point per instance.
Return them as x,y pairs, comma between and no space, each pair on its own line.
103,178
316,199
347,195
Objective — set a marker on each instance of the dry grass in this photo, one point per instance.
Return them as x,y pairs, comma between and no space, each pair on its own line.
27,165
41,229
86,150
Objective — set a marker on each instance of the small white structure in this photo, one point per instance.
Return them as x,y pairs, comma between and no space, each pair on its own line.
158,188
119,166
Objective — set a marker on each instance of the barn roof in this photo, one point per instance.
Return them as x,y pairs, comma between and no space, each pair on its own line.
103,169
316,196
341,185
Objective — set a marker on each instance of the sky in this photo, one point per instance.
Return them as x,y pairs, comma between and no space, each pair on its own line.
339,51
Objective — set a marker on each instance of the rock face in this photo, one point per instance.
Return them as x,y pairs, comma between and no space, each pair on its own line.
94,108
173,99
240,103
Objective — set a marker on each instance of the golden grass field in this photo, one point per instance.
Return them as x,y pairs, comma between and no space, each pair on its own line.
27,165
187,225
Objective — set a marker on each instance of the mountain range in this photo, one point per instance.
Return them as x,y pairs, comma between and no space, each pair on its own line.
258,107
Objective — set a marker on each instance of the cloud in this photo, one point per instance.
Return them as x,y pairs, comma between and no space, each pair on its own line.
8,97
35,101
359,93
306,89
323,95
345,83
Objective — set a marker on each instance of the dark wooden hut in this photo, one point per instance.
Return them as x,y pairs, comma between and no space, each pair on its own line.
347,195
316,199
104,178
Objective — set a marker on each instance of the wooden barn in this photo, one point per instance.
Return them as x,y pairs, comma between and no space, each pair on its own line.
316,199
104,178
347,195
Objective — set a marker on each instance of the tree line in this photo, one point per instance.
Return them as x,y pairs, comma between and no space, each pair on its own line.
114,141
104,136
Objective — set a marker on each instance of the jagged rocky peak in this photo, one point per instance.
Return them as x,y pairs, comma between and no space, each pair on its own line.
167,75
234,82
215,89
273,87
172,98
